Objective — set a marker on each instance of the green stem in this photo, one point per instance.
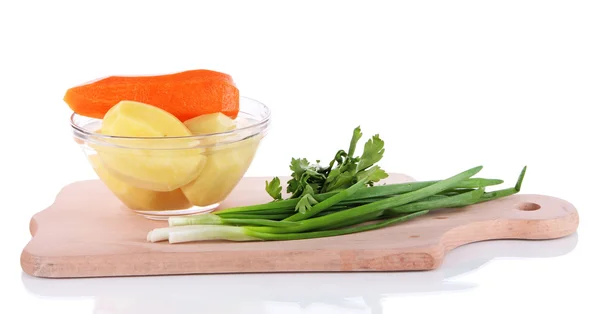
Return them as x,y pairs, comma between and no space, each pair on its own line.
356,135
355,221
463,199
276,211
258,222
208,233
283,204
452,192
331,233
211,219
337,208
489,196
361,201
399,188
255,216
434,197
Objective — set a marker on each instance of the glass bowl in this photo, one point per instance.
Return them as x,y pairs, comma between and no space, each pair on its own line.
158,177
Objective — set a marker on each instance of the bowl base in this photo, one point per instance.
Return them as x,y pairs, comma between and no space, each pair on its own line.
165,214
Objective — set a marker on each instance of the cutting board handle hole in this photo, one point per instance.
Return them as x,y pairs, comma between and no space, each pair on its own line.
529,206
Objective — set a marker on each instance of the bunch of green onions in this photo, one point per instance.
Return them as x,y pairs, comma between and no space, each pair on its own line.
352,210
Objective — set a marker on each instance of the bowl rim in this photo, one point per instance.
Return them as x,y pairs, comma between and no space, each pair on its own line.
256,125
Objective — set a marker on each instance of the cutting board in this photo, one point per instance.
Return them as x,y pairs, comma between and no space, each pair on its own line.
86,232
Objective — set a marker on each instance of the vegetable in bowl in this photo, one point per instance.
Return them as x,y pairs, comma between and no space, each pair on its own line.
169,144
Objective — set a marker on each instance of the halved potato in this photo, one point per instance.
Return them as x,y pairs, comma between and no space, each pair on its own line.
223,170
136,198
210,123
153,163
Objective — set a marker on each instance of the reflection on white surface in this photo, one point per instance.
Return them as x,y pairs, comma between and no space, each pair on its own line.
287,293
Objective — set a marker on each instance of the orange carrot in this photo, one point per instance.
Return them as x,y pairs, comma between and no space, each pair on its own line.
190,74
185,94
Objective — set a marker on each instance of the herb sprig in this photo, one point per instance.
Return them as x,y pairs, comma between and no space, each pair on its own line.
342,172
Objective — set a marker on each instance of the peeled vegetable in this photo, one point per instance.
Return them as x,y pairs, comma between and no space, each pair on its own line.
225,165
136,198
184,94
223,170
153,162
210,123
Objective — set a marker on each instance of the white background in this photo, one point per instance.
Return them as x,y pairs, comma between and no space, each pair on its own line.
447,84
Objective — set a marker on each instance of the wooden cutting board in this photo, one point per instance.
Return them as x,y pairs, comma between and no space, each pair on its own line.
88,233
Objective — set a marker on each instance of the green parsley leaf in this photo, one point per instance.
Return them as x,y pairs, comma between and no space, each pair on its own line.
274,188
372,153
307,200
298,166
373,174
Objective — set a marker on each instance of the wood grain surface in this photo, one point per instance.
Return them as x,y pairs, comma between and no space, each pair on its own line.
88,233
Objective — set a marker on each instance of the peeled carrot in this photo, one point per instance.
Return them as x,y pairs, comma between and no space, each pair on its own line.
190,74
185,94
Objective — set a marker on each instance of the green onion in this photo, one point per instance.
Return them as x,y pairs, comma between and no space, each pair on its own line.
354,221
399,188
365,194
230,233
459,200
350,210
210,232
320,222
211,219
505,192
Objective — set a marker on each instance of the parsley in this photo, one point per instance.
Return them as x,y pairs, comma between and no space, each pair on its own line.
274,188
343,171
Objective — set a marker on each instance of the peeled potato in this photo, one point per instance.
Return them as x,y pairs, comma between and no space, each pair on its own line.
210,123
225,165
156,164
224,169
136,198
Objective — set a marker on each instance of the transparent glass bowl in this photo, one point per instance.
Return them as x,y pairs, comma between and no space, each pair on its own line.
158,177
